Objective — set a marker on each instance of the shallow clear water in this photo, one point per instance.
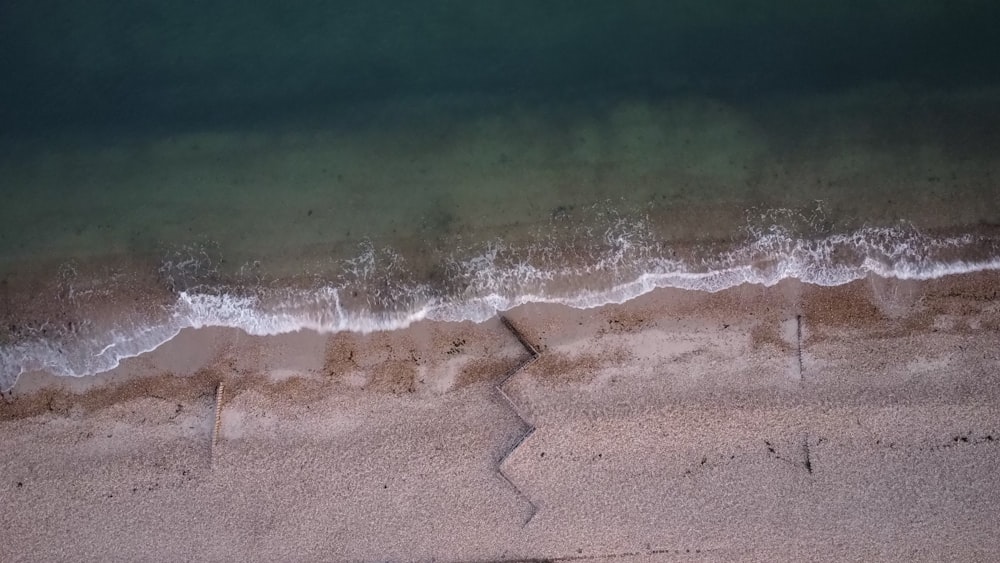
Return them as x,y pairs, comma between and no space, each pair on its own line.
358,166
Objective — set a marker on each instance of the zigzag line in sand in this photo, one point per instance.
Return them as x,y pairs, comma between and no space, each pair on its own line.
534,354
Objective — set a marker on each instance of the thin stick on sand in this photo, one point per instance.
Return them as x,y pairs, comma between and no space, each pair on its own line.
520,337
218,417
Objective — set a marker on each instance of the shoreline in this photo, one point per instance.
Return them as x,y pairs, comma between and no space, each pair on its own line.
78,324
871,304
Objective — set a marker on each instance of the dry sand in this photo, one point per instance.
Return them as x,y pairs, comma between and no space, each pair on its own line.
791,423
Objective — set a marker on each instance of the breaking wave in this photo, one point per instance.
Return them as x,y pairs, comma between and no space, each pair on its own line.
376,292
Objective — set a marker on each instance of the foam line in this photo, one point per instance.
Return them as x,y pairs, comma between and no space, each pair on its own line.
493,286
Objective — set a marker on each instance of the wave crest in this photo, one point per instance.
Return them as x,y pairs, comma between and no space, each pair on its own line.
376,292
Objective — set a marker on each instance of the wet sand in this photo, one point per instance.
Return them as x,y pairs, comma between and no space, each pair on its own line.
787,423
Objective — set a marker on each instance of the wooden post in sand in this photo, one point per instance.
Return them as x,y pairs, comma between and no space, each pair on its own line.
218,417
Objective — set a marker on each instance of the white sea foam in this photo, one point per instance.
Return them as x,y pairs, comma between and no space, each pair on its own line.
500,278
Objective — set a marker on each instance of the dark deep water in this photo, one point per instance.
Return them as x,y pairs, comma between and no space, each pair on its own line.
362,165
186,63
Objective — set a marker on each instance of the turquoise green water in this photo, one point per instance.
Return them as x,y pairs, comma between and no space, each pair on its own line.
359,166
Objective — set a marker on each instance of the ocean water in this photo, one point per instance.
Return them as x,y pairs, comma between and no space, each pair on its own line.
363,165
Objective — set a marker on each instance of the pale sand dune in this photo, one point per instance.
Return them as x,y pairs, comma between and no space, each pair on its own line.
790,423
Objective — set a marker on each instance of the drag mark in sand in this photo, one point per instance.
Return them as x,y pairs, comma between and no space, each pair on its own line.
218,419
533,356
649,552
807,460
798,343
800,457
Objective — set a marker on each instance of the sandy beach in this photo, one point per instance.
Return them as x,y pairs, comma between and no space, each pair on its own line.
786,423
